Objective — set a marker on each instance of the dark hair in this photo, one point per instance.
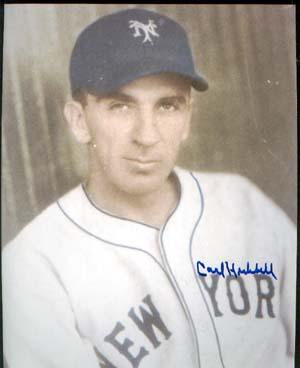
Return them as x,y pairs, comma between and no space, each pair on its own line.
80,95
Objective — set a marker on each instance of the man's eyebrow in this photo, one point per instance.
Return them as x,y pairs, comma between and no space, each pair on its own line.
117,96
176,98
120,96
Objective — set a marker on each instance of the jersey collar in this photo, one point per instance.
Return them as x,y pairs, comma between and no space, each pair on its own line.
112,229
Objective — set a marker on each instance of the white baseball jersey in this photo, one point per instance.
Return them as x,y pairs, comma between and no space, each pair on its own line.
84,288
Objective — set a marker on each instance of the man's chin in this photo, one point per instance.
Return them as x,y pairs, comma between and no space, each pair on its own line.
144,183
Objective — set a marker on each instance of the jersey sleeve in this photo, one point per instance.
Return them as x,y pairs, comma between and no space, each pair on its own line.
288,286
39,328
273,219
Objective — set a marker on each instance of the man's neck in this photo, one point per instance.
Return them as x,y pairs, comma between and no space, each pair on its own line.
152,209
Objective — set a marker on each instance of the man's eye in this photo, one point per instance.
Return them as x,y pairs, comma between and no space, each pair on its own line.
119,106
169,107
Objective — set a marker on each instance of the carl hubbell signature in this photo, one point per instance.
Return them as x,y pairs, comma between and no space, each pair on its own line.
232,270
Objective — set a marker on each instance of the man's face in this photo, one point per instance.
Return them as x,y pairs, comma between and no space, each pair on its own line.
138,131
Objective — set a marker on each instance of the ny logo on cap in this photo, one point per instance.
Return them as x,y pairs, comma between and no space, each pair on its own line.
148,29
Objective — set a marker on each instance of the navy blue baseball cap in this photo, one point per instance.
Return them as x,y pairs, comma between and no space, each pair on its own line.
123,46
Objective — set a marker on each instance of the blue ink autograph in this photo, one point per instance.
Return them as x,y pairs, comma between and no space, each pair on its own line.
233,271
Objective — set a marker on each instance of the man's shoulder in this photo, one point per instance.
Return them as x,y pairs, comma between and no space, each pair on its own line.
232,186
238,194
223,181
229,185
232,190
215,184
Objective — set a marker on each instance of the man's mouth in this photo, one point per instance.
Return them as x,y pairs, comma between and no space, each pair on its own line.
142,163
143,160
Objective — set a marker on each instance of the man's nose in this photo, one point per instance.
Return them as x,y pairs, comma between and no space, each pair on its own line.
146,131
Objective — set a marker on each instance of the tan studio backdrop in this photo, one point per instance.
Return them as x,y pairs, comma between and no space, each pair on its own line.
245,123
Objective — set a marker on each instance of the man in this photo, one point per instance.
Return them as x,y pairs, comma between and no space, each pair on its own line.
146,264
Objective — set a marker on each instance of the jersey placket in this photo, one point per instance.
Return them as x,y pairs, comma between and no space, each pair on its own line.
176,240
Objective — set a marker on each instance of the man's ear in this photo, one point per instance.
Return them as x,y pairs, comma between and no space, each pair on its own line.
75,116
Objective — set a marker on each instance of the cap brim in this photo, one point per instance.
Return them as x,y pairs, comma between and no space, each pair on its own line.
127,74
200,83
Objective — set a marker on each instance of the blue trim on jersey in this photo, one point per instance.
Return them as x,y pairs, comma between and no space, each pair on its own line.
110,214
181,298
197,279
107,241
